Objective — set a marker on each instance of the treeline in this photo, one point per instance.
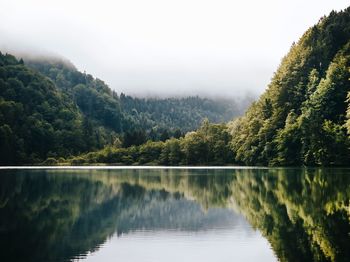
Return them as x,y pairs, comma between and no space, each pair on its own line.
184,114
124,113
36,121
50,109
209,145
303,117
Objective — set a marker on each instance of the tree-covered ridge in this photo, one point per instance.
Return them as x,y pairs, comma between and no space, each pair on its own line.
125,113
36,120
185,113
98,103
301,118
50,109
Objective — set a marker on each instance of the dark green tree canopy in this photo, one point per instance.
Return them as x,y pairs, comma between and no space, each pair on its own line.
301,118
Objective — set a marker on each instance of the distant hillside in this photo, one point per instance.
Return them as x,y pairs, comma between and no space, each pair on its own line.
303,117
50,109
151,114
185,114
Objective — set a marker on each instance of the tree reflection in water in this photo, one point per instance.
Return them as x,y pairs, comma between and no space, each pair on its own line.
60,214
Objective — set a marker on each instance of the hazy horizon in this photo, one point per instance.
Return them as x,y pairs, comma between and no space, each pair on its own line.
162,48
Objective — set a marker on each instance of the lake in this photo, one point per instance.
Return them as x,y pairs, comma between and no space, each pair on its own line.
240,214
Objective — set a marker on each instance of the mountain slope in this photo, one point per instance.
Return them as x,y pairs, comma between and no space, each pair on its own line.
35,119
50,109
301,118
124,113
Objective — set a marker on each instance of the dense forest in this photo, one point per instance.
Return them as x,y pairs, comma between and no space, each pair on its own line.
209,145
51,112
36,120
48,109
303,117
124,113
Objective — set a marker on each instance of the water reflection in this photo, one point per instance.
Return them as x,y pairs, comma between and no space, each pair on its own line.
58,215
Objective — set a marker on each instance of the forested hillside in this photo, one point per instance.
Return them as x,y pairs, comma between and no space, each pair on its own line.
125,113
36,120
50,109
303,117
185,114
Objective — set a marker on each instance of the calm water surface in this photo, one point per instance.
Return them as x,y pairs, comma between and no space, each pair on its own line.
175,215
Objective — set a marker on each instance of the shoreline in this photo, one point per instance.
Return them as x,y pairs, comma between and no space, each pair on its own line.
97,167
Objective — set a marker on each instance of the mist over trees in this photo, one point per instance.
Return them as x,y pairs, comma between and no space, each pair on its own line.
35,119
302,119
51,111
48,109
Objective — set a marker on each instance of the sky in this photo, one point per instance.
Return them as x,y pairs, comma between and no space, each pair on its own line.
165,48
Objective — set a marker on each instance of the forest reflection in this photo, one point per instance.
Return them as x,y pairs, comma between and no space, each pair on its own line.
60,214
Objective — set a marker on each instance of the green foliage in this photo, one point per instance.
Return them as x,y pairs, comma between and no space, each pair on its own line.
134,137
48,109
96,106
35,120
209,145
94,98
348,114
301,118
122,114
162,118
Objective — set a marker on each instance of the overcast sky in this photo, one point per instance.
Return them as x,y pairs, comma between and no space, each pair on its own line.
164,47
